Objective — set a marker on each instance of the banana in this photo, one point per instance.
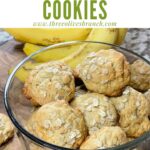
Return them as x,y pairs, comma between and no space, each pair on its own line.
121,35
106,35
102,35
51,54
23,72
48,36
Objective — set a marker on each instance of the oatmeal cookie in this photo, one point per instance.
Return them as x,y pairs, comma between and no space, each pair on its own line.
138,127
59,124
106,72
140,75
98,111
49,82
6,128
132,105
106,137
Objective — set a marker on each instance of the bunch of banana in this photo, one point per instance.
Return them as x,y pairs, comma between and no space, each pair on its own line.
103,35
72,55
46,37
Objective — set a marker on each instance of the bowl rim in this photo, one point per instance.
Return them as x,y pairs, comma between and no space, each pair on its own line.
39,141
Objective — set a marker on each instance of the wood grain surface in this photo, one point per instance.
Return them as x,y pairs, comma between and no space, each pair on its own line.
10,54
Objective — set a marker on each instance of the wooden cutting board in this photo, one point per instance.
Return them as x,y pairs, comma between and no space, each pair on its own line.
10,54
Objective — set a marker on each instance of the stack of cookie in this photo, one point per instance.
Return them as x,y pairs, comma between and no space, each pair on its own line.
110,111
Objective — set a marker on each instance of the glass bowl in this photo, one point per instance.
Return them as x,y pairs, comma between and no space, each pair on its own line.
19,109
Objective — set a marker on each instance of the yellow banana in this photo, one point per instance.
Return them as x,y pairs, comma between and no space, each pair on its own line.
48,36
23,72
51,54
121,35
102,35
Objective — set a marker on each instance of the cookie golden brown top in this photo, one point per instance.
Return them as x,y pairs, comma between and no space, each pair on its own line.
98,111
138,127
49,82
140,75
59,124
106,137
6,128
105,72
131,106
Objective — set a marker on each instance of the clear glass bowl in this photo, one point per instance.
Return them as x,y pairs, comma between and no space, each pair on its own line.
19,109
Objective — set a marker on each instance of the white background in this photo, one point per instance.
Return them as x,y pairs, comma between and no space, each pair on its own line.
127,13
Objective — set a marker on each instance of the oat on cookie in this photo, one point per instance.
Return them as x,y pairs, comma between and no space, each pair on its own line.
59,124
106,137
140,75
132,105
106,72
98,111
6,128
138,127
49,82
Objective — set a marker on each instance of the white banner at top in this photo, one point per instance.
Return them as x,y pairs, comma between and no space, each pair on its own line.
74,13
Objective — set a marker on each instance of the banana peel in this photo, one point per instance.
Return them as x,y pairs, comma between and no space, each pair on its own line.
23,72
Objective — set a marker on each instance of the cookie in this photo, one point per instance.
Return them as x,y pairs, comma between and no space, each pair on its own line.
59,124
106,72
138,127
140,75
49,82
131,106
98,111
6,129
106,137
